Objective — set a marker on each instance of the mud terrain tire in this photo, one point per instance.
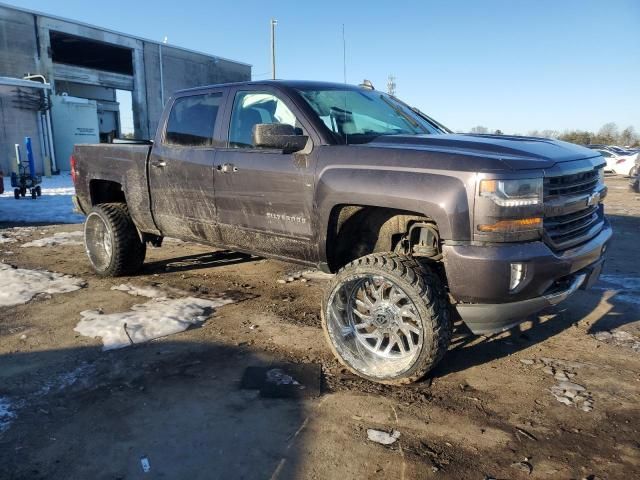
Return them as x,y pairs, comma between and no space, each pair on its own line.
425,299
112,241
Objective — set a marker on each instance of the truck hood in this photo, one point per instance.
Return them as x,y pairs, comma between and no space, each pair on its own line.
515,153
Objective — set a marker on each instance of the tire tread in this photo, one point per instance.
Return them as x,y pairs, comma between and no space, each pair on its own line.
128,250
429,287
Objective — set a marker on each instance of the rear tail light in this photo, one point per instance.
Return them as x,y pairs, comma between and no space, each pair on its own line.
74,174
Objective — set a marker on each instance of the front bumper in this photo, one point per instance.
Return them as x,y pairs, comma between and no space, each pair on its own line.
478,278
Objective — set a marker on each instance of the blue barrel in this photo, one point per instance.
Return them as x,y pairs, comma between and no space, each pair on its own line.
32,163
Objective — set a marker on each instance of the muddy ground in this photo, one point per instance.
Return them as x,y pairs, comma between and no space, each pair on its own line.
72,411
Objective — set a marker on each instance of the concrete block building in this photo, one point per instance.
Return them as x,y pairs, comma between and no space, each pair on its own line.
61,81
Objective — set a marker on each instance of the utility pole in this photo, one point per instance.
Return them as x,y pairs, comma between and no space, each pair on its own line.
391,85
273,48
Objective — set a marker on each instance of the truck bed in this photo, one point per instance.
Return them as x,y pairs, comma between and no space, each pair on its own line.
115,166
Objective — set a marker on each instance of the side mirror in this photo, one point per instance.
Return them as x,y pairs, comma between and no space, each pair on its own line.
278,135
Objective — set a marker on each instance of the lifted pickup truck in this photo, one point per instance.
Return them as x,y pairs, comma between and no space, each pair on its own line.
419,224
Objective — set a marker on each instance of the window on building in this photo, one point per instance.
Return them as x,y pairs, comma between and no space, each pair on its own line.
192,120
89,53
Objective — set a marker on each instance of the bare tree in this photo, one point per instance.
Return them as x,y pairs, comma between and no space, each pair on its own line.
479,129
608,134
629,137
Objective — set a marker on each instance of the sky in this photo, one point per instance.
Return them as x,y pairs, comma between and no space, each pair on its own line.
515,65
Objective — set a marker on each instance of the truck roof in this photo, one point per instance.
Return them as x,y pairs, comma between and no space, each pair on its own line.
304,84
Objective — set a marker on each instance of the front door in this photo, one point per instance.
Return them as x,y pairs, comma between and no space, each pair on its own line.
263,196
181,169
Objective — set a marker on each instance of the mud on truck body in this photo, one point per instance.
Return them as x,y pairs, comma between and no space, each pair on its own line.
419,225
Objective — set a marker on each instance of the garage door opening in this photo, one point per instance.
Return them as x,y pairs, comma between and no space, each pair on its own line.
126,113
84,52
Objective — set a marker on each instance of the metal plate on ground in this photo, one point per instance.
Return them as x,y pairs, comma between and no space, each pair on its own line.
288,380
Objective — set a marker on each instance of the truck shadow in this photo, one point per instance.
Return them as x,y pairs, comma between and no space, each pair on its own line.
468,350
197,262
80,413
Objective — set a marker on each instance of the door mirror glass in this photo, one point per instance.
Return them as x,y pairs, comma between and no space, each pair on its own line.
278,135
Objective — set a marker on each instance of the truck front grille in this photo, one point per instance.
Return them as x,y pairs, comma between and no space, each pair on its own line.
571,219
574,184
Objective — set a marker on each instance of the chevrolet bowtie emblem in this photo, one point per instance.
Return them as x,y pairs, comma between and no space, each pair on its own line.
593,199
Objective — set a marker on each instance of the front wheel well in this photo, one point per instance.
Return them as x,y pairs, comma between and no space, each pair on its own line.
358,230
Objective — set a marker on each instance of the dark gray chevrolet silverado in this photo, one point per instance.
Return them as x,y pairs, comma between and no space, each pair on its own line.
419,224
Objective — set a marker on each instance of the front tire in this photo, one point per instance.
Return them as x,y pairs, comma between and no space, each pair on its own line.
386,318
112,242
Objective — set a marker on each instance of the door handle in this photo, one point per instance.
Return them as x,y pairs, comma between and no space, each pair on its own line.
159,164
227,168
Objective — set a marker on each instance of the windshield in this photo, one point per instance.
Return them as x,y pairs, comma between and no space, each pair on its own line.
359,116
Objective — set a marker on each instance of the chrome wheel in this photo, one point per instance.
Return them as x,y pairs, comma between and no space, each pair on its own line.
374,325
98,241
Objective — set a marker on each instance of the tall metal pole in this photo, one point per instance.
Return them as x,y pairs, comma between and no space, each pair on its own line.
273,48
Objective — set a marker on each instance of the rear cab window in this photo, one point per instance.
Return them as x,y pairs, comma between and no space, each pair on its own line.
192,120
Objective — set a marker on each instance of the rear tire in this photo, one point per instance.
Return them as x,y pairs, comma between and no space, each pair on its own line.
16,193
112,242
386,318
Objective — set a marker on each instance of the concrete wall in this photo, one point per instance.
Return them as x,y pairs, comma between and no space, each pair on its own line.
183,69
15,124
18,46
25,47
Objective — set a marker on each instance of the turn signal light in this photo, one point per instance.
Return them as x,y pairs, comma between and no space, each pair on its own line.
512,225
74,173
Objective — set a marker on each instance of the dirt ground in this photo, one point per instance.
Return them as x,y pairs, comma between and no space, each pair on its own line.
74,411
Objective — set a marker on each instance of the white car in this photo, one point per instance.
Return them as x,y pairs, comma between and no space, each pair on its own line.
619,164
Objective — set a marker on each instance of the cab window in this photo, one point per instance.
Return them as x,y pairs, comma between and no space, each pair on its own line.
252,108
192,120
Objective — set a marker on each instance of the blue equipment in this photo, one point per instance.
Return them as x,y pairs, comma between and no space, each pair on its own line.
26,178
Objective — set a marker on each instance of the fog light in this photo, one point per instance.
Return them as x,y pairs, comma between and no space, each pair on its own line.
518,271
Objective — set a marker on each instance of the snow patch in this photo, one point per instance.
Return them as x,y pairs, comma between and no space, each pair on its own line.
382,437
5,239
19,285
54,206
60,238
148,291
66,379
157,318
630,287
6,414
630,283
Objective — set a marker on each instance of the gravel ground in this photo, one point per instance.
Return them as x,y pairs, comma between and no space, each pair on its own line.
557,397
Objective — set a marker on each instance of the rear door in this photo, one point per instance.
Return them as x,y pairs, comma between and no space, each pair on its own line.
181,168
264,197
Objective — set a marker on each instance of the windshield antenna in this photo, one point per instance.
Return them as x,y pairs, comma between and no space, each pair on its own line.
344,55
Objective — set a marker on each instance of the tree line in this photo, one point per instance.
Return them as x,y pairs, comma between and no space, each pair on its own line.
608,134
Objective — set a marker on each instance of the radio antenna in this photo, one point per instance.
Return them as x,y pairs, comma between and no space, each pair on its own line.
344,55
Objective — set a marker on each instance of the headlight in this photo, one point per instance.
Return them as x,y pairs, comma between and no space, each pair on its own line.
509,210
513,193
